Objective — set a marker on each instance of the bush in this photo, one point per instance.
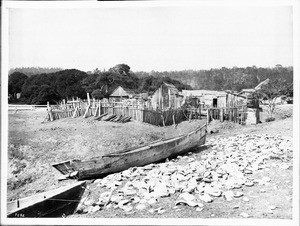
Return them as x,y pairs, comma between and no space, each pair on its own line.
270,119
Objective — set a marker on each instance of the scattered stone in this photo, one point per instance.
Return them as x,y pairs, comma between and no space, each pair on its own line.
205,198
152,201
140,207
266,179
249,183
238,194
227,166
187,196
94,209
245,199
122,203
245,215
269,211
236,207
228,195
151,211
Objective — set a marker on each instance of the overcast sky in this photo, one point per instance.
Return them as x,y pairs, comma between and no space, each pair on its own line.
151,38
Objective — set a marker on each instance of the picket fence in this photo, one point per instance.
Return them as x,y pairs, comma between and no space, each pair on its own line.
137,112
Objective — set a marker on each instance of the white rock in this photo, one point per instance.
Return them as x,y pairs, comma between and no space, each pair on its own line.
205,197
228,195
152,201
140,207
127,208
266,179
238,194
116,198
122,203
245,215
187,196
245,199
136,199
199,209
249,183
94,209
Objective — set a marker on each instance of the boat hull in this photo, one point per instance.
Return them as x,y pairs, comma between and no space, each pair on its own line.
56,203
141,156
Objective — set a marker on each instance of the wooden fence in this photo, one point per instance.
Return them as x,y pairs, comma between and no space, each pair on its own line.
234,114
136,112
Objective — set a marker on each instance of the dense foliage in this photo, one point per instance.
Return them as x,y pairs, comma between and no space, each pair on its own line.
29,71
38,89
15,83
52,87
226,78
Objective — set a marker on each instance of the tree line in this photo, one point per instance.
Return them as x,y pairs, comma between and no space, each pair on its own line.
54,86
64,84
235,78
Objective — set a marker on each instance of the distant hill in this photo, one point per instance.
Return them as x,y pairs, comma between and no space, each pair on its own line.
235,78
29,71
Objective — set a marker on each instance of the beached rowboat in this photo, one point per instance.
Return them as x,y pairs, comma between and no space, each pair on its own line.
55,203
138,156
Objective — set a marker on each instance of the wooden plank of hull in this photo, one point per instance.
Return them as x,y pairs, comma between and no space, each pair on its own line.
139,157
55,203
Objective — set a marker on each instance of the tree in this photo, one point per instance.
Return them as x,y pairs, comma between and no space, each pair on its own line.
122,69
15,82
271,91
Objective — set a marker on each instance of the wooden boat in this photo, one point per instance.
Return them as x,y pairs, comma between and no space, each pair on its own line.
137,156
55,203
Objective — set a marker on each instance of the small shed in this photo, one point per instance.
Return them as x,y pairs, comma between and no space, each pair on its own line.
121,93
166,96
209,98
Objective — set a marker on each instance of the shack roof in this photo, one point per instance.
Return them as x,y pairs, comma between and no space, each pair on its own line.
171,87
199,93
122,92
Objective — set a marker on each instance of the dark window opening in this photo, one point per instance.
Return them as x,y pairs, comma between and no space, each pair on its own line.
215,102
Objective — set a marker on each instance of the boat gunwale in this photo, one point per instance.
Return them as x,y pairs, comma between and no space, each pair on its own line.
39,197
143,148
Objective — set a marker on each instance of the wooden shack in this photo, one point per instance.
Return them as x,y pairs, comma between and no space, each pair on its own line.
121,93
166,96
208,98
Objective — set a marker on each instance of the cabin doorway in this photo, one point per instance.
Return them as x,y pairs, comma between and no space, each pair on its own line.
215,102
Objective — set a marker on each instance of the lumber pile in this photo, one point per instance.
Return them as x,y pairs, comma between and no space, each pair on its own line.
113,118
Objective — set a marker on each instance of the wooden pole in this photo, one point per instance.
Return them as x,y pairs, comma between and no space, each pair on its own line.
207,115
162,115
222,115
86,111
174,122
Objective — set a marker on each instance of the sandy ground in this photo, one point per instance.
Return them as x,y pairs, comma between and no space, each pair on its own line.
34,146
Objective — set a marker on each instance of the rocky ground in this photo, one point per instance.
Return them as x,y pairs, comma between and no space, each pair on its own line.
232,177
241,172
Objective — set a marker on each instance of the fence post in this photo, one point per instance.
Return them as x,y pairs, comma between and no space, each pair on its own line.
222,115
207,117
199,112
100,108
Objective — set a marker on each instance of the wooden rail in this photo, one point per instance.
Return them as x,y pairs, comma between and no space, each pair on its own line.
18,107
